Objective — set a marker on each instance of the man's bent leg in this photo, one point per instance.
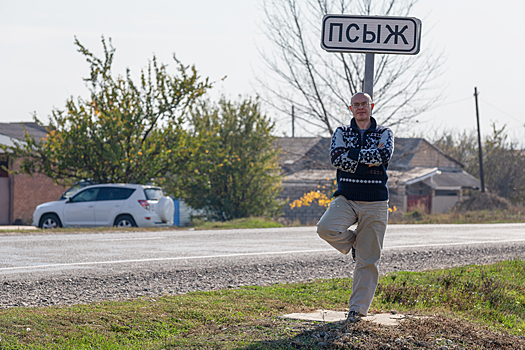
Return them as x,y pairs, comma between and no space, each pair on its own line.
333,225
373,217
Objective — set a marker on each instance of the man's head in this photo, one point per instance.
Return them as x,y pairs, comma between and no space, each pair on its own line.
361,107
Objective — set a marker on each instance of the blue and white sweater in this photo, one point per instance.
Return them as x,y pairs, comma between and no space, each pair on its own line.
361,162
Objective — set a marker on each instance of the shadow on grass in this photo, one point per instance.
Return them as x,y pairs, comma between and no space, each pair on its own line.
308,335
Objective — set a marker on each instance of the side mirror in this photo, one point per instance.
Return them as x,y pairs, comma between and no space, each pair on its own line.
68,199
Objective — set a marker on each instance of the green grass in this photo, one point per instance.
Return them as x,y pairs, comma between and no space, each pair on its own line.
513,215
7,232
492,295
251,222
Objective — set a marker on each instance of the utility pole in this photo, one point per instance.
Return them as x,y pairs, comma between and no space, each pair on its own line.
480,152
523,144
293,121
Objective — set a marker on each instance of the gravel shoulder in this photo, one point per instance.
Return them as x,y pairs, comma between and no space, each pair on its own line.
86,289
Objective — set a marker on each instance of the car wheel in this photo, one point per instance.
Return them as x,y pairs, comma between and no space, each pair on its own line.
125,221
49,221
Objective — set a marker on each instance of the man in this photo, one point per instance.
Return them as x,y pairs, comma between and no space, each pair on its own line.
360,152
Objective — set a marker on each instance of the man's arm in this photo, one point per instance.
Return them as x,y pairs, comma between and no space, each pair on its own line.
339,151
381,154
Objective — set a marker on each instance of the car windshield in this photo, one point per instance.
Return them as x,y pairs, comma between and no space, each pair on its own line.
153,193
75,188
71,191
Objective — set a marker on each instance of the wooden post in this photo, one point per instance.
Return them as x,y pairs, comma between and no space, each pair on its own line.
480,152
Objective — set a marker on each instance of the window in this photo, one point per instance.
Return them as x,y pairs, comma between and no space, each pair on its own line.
153,193
446,193
88,195
114,193
4,162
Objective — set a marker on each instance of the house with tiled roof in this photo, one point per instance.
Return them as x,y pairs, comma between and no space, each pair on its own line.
305,166
298,153
420,174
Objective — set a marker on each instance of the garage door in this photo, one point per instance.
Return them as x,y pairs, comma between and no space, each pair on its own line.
419,201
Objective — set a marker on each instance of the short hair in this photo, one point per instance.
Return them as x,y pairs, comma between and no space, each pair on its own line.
361,93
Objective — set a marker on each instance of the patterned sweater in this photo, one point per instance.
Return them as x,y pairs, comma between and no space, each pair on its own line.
361,162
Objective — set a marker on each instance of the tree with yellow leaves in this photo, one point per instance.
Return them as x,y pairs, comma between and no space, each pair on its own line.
124,132
234,171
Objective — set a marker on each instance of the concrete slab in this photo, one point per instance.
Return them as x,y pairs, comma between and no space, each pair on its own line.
319,315
386,319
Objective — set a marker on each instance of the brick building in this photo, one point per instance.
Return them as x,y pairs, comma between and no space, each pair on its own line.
21,193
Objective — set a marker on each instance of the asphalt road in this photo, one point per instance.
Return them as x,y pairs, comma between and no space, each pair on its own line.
32,257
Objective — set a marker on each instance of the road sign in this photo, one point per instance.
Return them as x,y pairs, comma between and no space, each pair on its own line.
371,34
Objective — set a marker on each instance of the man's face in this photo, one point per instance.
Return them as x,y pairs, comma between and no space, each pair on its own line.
364,110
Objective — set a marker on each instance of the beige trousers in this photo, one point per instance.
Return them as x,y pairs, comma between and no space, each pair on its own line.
371,219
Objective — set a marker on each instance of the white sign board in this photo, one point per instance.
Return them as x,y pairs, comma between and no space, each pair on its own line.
371,34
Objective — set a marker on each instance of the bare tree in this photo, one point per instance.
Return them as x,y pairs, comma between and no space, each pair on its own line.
503,162
320,84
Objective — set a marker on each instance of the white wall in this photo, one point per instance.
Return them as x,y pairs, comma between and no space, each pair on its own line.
441,204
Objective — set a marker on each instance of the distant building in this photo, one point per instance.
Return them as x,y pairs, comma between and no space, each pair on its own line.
20,194
420,174
306,167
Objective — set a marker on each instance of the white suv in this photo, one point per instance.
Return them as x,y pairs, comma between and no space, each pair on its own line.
121,205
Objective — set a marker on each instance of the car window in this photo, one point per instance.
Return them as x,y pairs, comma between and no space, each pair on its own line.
114,193
153,193
86,196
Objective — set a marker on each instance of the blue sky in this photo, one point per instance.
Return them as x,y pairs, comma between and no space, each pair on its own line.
483,43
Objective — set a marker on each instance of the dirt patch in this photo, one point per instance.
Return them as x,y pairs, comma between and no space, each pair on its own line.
482,201
434,332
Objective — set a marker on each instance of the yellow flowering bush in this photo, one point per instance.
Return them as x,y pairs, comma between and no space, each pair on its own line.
311,197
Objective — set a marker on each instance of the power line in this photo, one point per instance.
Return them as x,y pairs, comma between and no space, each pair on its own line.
450,103
454,102
496,108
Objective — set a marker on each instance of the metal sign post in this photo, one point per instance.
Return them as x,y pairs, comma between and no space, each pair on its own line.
371,35
369,75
